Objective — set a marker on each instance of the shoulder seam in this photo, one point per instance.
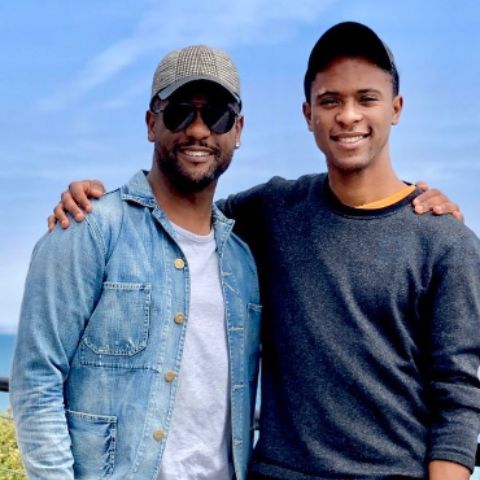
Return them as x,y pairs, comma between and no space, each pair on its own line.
96,232
113,245
108,248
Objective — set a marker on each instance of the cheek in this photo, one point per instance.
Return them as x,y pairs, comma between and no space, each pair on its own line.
226,142
226,149
167,139
388,120
319,130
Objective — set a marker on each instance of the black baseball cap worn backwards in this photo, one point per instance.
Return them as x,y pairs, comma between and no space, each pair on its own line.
349,39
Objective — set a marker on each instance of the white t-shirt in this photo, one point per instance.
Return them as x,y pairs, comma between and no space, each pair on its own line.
199,442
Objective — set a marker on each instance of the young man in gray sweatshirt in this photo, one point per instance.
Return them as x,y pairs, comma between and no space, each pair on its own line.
371,345
371,333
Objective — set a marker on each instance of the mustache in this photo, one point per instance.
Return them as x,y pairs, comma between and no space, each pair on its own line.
199,143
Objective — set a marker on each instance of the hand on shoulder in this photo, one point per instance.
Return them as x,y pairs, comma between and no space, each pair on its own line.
433,200
75,200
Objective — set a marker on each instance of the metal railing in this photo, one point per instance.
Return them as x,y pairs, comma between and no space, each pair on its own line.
4,384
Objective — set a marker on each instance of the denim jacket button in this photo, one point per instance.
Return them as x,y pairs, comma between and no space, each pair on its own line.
179,263
170,376
179,318
158,435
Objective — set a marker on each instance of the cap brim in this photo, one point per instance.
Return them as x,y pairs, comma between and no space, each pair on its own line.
173,87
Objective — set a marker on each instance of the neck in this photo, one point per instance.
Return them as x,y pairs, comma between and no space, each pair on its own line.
191,211
354,188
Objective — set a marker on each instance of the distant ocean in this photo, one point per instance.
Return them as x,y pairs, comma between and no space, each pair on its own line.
6,354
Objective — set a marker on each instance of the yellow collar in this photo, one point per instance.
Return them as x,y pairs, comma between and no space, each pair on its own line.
390,200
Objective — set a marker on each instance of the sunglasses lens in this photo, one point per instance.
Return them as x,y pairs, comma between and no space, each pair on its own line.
178,116
219,118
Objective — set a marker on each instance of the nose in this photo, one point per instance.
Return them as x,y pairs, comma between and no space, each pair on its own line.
197,129
348,114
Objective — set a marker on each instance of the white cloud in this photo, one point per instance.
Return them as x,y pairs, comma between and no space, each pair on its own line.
167,26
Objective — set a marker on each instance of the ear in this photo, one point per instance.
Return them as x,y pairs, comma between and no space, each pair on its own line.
150,119
397,106
239,122
307,113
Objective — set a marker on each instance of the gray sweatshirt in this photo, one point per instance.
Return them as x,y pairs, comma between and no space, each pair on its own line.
371,334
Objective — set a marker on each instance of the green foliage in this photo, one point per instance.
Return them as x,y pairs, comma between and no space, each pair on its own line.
10,463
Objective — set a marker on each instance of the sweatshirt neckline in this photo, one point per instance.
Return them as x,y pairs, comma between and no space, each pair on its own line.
338,207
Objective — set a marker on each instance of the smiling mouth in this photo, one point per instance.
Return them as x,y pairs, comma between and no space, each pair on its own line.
196,154
349,139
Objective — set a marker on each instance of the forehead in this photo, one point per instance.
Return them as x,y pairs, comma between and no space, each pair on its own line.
201,91
351,72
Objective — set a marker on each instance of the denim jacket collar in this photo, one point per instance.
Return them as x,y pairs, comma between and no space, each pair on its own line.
138,190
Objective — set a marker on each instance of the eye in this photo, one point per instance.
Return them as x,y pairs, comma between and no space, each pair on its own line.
328,102
368,99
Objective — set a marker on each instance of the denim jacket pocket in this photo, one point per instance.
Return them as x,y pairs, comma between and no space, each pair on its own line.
94,439
120,322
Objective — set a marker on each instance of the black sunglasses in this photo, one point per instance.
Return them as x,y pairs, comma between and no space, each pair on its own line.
219,118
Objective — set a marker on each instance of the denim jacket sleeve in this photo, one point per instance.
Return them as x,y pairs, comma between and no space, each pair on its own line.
62,287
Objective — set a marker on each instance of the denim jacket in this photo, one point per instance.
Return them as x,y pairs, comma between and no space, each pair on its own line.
100,342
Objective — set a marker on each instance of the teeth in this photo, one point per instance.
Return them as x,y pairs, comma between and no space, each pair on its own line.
196,153
350,139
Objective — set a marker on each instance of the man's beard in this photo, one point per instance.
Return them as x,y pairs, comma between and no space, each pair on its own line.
181,179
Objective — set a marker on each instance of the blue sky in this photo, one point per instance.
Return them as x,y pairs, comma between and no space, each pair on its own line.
75,79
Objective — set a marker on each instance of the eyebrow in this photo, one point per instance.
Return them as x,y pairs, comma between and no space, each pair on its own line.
370,90
362,91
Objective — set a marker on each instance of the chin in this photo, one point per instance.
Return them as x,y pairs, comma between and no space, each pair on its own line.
348,166
191,184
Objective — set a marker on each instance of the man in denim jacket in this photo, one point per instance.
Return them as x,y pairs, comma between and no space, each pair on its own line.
137,352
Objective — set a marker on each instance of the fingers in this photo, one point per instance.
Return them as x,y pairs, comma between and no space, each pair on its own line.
428,199
51,222
78,195
459,215
75,201
433,200
71,205
97,188
448,207
422,185
58,215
